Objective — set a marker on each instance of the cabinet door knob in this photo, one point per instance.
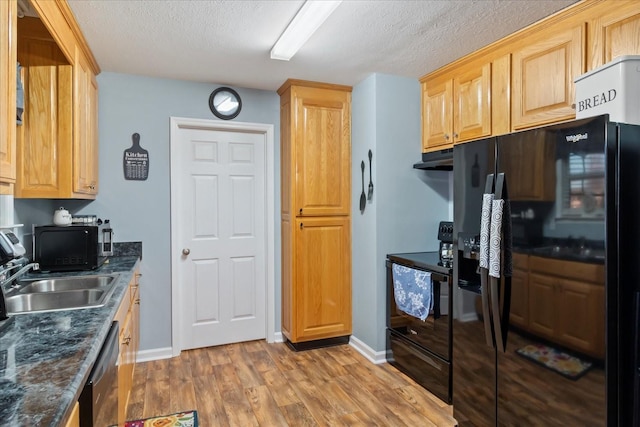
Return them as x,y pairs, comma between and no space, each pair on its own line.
455,135
126,341
446,136
186,251
300,211
301,225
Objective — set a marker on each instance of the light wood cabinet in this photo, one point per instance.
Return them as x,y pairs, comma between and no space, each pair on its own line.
613,32
319,128
85,141
74,419
322,306
316,208
567,304
531,74
456,109
544,68
522,155
8,13
57,153
128,318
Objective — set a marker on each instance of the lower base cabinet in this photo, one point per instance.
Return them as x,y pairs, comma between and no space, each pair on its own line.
128,316
74,419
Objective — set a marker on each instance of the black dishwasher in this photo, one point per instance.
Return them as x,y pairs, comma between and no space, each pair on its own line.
99,398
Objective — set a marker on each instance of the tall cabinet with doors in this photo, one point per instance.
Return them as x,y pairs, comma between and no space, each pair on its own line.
315,120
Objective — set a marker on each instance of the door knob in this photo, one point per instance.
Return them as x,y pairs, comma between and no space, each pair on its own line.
186,251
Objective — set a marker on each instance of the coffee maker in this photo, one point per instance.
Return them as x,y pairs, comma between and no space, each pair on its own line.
445,235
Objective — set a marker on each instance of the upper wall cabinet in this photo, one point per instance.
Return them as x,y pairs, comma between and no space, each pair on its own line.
525,79
85,140
57,145
8,12
544,67
456,107
613,32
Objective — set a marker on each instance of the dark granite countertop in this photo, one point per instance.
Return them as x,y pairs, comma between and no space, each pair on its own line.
45,358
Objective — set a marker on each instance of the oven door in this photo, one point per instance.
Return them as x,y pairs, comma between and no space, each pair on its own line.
434,334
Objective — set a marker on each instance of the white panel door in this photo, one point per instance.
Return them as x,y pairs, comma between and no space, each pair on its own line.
222,231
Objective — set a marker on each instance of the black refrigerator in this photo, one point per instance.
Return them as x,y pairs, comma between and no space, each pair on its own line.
546,277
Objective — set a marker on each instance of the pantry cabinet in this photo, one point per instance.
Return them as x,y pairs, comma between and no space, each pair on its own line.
56,146
544,67
322,302
8,12
315,120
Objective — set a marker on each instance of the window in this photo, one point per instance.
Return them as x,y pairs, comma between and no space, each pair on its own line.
583,185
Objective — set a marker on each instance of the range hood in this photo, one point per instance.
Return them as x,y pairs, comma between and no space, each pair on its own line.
441,160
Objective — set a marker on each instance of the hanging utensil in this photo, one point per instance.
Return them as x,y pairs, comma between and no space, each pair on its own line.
370,181
363,196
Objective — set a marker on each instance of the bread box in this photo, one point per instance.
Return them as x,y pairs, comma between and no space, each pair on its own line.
613,88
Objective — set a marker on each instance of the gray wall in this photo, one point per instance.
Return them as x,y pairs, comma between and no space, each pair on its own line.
407,204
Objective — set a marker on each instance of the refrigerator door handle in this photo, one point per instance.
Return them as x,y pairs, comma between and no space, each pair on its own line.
500,262
485,222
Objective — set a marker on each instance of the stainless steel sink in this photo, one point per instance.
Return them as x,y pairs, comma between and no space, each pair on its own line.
66,284
60,293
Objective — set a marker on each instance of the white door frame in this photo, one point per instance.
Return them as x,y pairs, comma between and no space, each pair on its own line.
178,123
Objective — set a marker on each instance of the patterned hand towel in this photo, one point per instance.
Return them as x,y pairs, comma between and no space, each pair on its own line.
413,291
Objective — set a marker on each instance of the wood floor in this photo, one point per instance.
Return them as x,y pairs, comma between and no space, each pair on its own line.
260,384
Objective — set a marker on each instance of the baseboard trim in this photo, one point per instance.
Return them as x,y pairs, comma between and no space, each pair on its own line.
278,337
154,354
376,357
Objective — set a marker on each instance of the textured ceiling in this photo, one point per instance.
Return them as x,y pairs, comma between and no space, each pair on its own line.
228,42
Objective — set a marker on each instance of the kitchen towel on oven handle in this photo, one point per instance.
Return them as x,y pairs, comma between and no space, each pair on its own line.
412,290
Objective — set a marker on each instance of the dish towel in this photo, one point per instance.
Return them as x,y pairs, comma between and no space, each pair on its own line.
412,290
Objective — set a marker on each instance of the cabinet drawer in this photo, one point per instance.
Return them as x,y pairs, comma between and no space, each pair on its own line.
426,369
592,273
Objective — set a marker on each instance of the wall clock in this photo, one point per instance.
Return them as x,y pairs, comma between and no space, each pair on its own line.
225,103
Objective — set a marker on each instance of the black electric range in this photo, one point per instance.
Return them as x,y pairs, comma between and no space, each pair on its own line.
423,349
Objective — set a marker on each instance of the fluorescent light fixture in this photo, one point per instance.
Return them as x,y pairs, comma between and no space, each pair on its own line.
308,19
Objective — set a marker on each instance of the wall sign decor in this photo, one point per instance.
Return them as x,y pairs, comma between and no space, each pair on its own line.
135,161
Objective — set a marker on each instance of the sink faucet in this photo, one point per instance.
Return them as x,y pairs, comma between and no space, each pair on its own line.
22,270
4,281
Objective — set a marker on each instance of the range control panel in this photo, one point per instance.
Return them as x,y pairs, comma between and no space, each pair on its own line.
445,232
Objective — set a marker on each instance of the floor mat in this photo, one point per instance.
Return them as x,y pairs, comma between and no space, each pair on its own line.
562,363
180,419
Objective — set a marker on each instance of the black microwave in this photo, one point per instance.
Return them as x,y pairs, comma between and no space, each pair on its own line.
70,248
